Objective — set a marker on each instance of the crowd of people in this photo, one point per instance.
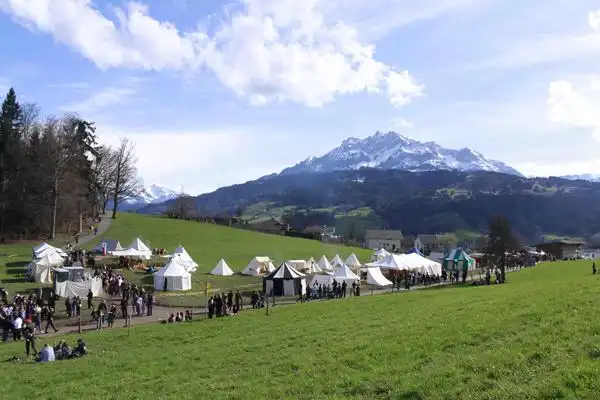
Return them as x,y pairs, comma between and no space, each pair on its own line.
221,304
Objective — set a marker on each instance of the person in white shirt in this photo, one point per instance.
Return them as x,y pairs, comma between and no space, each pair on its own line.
46,354
17,328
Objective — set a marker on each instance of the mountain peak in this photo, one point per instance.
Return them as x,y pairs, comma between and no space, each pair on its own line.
391,150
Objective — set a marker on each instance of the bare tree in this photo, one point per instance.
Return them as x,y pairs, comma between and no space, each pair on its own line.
30,119
104,168
126,182
184,206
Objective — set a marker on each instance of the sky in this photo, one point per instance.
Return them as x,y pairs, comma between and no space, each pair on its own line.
215,93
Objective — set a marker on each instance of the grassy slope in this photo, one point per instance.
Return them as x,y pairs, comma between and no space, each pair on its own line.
535,337
208,243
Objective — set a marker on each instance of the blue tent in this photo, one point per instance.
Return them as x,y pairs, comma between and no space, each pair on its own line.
417,251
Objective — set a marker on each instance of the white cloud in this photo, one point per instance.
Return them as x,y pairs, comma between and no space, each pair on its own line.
594,19
265,51
107,97
577,106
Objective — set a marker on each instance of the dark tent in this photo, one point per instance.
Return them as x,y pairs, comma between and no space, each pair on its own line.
284,281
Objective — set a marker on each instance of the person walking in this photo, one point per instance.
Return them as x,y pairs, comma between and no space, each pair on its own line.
50,320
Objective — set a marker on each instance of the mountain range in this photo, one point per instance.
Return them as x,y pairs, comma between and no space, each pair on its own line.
150,194
391,150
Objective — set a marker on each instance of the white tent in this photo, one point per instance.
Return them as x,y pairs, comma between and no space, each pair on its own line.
392,261
336,261
422,264
379,254
176,275
313,266
43,249
190,264
343,273
318,280
222,269
352,261
133,253
111,245
140,246
259,266
41,270
376,278
324,264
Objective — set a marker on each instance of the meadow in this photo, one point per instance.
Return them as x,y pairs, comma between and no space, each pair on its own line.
206,244
535,337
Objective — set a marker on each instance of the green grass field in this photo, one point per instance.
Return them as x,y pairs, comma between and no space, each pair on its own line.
536,337
206,243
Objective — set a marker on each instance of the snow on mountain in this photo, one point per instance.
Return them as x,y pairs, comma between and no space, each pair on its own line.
151,194
390,150
583,177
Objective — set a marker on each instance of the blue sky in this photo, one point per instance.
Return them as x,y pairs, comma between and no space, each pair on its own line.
220,92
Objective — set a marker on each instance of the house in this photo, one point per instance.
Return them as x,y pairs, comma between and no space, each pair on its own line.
435,243
387,239
325,232
272,226
562,249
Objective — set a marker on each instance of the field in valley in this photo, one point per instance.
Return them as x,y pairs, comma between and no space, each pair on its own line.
206,243
535,337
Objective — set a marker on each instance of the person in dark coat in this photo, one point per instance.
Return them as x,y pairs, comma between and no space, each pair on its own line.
50,320
30,342
149,304
594,268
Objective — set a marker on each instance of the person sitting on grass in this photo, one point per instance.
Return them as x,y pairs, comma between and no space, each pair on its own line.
80,350
171,319
188,315
178,318
46,354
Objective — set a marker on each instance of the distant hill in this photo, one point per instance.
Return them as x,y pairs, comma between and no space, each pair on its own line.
421,202
391,150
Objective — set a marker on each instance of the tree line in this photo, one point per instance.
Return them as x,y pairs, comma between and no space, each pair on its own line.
53,173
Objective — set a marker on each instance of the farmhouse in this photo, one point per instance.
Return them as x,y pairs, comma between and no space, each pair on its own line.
272,226
387,239
562,249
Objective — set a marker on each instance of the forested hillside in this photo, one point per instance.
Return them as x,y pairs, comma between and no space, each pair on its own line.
53,173
424,202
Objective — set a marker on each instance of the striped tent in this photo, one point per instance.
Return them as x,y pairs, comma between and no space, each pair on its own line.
285,281
457,259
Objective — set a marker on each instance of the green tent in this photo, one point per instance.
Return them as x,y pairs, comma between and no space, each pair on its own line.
457,259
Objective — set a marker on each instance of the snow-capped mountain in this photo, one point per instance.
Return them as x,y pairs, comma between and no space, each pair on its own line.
390,150
151,194
583,177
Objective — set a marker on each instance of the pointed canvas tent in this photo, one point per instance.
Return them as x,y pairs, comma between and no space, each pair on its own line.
352,261
108,245
313,266
379,254
259,266
376,278
42,270
175,274
222,269
190,264
393,261
457,259
343,273
324,264
422,264
138,245
336,261
285,281
133,253
43,249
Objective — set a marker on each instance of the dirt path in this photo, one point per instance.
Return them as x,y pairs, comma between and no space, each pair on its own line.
102,227
160,313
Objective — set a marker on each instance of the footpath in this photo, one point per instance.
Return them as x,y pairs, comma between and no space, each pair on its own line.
102,226
161,313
